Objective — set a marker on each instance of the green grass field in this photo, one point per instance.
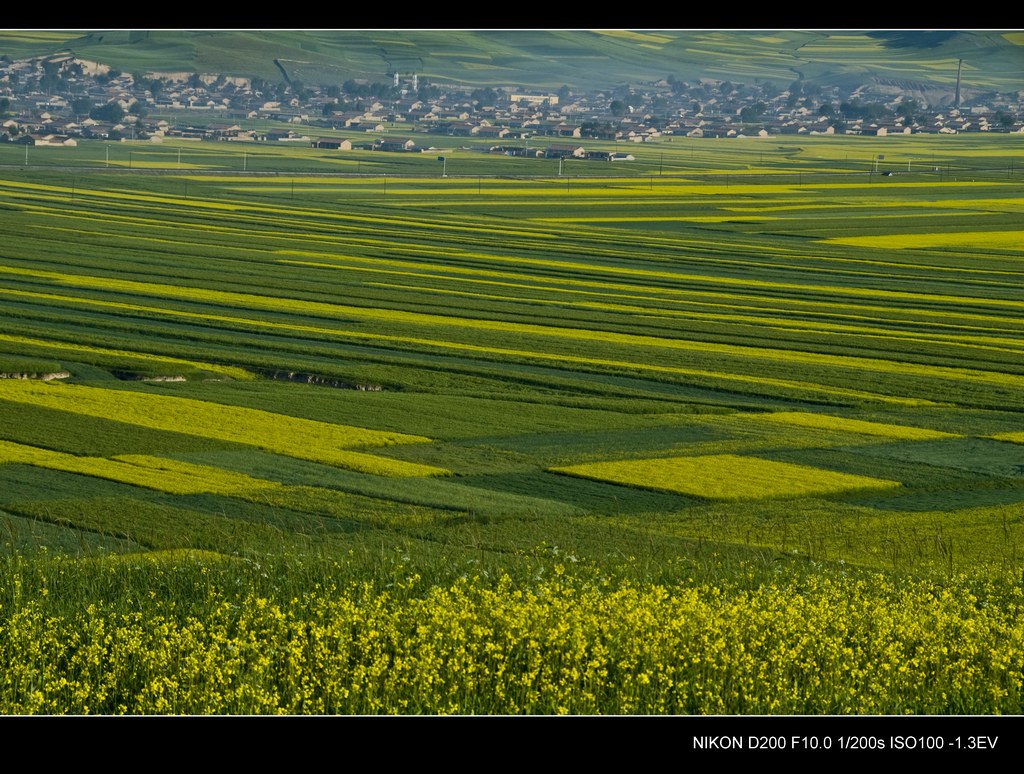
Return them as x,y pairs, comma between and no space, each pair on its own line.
585,391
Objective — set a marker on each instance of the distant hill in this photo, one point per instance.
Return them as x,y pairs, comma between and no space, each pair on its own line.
547,59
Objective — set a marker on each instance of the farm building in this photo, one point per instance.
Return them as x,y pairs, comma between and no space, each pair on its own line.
331,143
52,140
565,152
495,132
517,150
534,99
462,128
394,144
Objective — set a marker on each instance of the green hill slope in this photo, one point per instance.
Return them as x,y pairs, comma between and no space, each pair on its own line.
550,58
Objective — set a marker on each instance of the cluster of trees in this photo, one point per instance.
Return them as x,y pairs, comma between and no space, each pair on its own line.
486,97
105,78
870,111
153,85
1004,119
363,90
908,109
352,93
601,130
752,113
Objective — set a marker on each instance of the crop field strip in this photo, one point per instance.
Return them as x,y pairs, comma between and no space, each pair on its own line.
306,439
679,248
979,280
139,469
549,286
824,421
490,352
678,245
557,331
727,477
431,321
228,298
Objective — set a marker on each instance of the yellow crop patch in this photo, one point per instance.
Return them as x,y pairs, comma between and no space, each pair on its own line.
1011,437
163,475
170,557
639,37
188,478
1002,240
726,477
842,424
34,36
652,219
305,439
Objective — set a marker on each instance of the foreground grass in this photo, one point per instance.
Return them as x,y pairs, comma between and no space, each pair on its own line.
194,633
